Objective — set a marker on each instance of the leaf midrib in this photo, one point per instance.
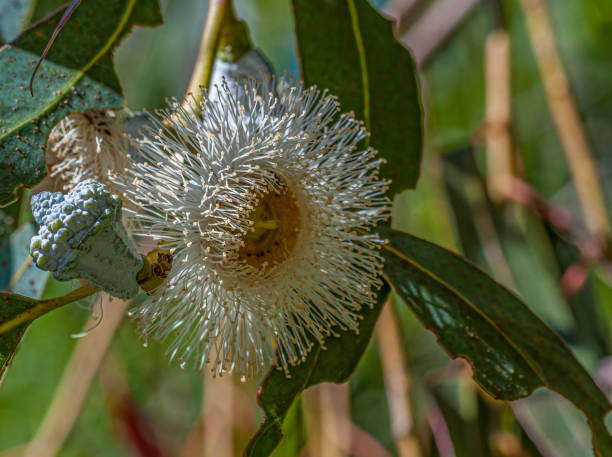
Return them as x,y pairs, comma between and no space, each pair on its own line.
463,298
363,64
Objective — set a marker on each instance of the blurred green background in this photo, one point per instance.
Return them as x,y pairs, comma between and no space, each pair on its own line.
451,207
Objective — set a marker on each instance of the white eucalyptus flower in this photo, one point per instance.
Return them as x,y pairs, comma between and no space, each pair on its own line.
86,145
264,200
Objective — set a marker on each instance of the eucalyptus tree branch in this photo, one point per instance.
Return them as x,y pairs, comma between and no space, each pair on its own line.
498,114
566,117
592,249
211,34
397,383
75,383
44,306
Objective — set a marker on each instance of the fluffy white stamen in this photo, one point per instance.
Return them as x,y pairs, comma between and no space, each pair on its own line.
259,194
86,145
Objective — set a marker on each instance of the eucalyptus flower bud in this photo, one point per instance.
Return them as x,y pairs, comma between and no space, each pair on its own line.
81,236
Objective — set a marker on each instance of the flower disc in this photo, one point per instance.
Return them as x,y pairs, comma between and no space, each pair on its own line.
263,196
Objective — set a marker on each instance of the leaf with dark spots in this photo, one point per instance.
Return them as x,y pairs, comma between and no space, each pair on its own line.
510,349
77,75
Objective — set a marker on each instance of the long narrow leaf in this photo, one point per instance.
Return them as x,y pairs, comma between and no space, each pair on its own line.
510,349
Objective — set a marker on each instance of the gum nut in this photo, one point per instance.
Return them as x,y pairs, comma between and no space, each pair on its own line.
45,245
61,234
35,242
42,260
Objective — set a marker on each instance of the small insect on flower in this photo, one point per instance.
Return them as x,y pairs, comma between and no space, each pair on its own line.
264,196
86,145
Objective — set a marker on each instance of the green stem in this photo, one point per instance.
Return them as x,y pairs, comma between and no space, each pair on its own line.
211,34
234,39
44,306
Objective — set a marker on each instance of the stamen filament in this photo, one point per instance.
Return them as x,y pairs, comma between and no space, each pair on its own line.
272,224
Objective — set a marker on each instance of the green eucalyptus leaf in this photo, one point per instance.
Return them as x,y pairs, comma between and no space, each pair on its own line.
13,17
510,349
335,363
77,75
347,47
12,305
17,312
25,279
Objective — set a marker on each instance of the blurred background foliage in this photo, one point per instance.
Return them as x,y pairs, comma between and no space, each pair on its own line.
140,406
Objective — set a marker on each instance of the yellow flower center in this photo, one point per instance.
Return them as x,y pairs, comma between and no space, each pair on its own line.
276,224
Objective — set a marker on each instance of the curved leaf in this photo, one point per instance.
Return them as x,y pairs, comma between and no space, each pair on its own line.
12,305
77,75
335,363
17,312
511,350
347,47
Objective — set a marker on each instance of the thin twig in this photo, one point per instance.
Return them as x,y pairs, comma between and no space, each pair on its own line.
211,34
42,307
592,249
566,118
440,431
397,383
311,399
335,419
74,385
36,23
498,105
218,439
